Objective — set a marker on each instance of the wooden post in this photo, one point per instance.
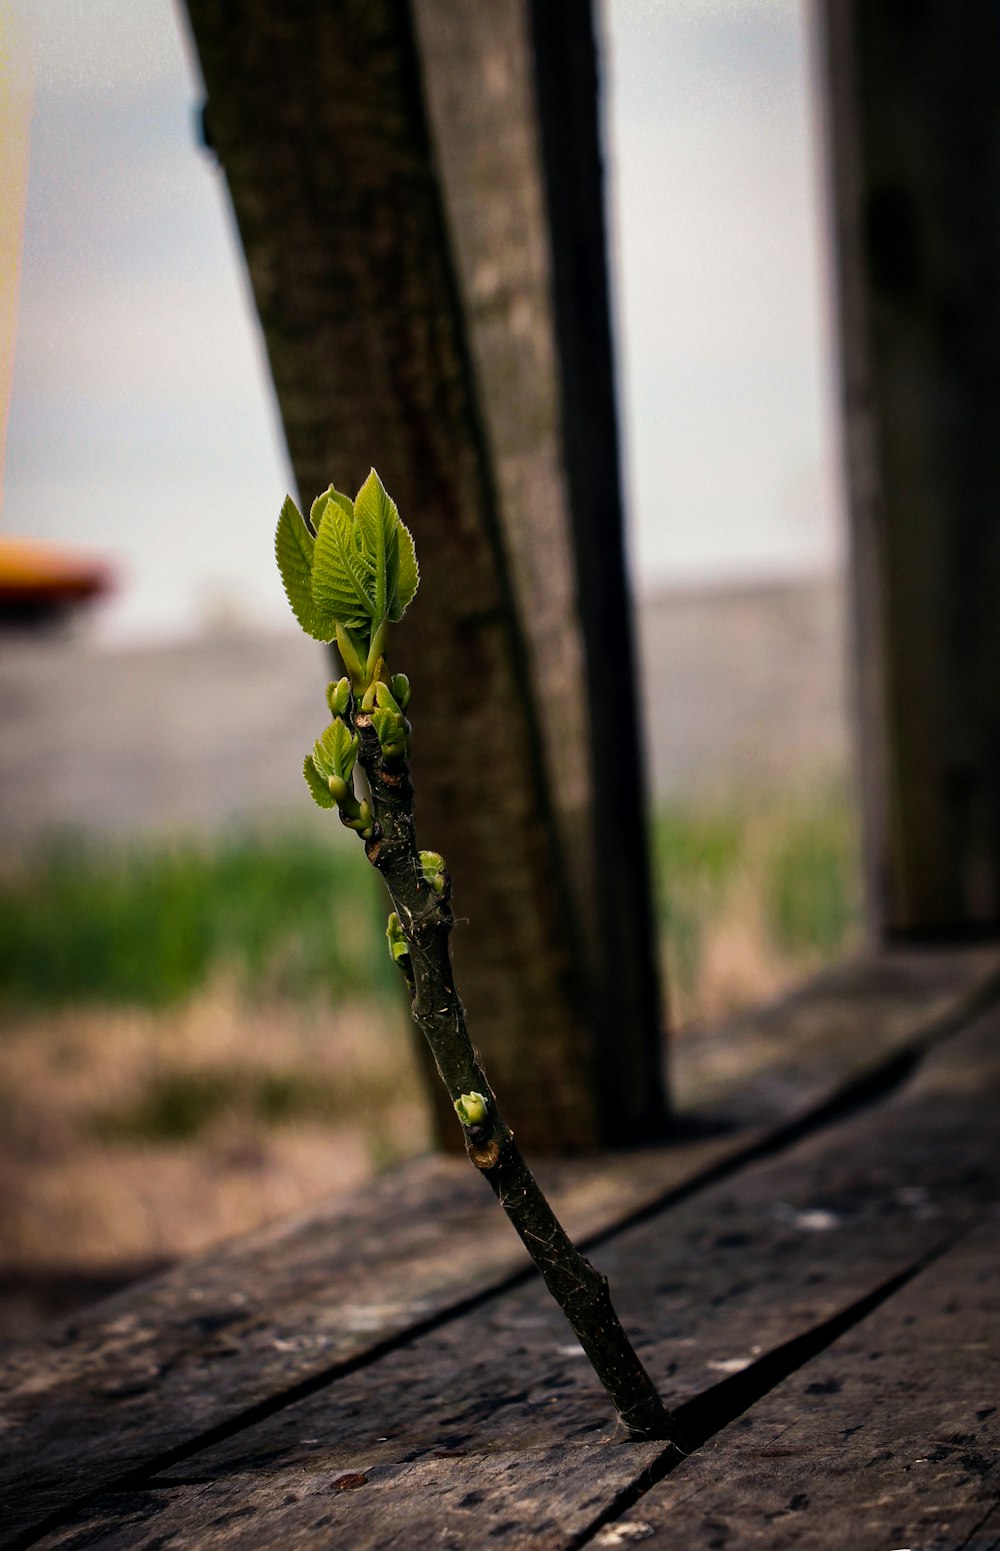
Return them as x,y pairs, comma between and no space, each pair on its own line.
911,92
391,184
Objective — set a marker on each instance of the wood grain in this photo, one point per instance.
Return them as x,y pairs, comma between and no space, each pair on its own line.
465,1431
157,1366
890,1438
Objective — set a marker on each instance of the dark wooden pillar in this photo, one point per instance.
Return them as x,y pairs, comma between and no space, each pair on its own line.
392,185
912,94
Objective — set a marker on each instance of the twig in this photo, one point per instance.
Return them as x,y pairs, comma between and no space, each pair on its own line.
350,570
422,901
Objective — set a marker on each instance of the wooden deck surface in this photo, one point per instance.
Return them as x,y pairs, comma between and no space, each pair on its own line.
811,1272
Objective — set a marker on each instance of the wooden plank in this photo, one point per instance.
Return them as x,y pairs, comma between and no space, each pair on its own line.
890,1438
911,93
514,110
491,1429
155,1367
319,116
787,1058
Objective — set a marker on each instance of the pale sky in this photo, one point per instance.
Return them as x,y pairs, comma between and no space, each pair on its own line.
142,426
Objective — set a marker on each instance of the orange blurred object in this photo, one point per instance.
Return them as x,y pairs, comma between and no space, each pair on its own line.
42,582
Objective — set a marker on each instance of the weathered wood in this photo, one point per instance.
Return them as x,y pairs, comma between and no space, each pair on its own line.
787,1058
890,1438
489,1427
316,113
911,92
151,1369
403,290
512,96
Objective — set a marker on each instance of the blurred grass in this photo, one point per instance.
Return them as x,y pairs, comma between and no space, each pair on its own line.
291,920
150,925
177,1106
753,893
200,1037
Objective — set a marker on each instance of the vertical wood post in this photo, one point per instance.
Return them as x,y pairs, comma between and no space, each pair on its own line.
386,171
911,93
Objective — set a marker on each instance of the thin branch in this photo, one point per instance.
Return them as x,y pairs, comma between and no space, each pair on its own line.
422,901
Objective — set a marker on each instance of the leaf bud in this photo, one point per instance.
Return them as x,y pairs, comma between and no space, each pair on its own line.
471,1108
338,696
432,870
400,686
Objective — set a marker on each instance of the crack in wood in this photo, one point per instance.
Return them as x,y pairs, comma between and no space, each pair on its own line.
704,1415
715,1408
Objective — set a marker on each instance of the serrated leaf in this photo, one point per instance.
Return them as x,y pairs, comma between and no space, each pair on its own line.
294,549
336,750
407,574
378,524
321,793
343,501
341,581
390,729
316,512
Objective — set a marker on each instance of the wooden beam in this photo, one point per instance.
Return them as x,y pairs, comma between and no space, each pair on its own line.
386,176
911,96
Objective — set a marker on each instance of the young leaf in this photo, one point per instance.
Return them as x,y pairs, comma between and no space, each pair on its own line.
338,696
321,793
341,576
319,506
343,501
390,730
378,525
384,698
294,550
407,575
336,750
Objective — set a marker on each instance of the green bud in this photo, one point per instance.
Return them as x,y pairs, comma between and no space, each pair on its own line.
390,728
399,948
339,788
338,697
471,1108
384,698
400,686
432,870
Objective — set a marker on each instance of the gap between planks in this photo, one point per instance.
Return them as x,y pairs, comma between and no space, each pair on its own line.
868,989
273,1482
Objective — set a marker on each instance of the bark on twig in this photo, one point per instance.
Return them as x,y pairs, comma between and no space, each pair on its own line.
425,916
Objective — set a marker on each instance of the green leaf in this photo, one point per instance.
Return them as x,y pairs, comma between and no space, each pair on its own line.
407,575
319,506
336,750
384,698
321,793
390,729
378,524
343,501
294,551
341,575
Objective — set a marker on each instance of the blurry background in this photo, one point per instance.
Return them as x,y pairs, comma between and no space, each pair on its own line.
200,1028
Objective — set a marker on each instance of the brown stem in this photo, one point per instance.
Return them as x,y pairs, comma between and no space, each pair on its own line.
426,919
